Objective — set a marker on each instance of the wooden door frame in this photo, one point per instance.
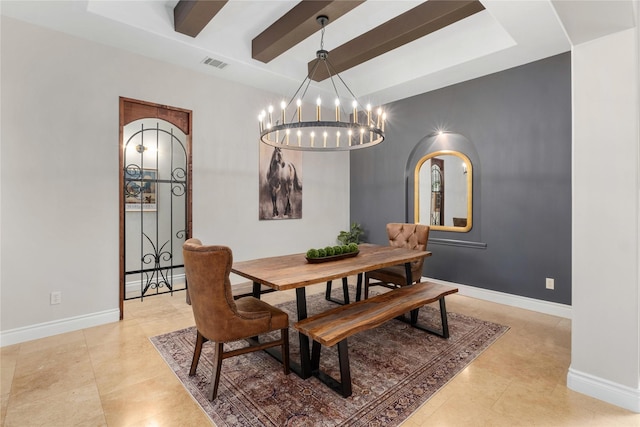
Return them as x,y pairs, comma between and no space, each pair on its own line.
131,110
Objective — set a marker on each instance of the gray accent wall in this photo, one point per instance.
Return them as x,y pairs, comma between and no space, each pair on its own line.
518,124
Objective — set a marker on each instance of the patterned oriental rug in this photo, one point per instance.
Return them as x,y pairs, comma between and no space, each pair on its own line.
394,369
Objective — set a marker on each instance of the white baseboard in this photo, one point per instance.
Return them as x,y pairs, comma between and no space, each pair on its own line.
42,330
608,391
546,307
46,329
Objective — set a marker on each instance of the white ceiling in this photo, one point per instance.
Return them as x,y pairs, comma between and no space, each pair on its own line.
507,34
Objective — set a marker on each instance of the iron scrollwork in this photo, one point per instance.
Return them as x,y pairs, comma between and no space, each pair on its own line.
157,263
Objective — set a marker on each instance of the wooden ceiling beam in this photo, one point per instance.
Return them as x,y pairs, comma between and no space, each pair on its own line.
426,18
296,25
191,16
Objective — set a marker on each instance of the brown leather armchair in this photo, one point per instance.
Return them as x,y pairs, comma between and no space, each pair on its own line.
412,236
218,317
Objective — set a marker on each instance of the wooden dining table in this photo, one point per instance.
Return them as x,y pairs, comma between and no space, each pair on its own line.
296,272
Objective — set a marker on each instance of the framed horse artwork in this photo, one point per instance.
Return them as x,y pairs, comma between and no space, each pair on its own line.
280,183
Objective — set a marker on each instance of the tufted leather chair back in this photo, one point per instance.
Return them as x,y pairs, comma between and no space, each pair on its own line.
410,236
216,315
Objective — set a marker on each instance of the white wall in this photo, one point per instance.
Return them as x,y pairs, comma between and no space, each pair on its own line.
59,175
605,357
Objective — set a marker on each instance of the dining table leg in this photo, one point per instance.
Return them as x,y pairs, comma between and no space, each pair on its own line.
257,287
305,355
303,370
359,287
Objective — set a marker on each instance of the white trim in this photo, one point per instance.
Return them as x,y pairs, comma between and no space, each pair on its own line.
546,307
55,327
608,391
42,330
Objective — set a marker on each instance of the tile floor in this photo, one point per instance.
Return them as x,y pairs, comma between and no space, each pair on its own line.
111,375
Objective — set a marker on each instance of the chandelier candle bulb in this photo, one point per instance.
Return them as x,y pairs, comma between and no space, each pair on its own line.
361,135
324,135
355,111
299,104
283,106
338,139
288,132
299,138
313,134
337,110
350,133
318,103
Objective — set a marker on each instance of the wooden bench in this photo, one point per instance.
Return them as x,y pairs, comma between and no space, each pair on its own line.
336,325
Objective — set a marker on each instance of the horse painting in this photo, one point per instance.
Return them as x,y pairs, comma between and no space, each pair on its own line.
282,179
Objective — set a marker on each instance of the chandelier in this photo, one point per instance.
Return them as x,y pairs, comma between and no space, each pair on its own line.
360,128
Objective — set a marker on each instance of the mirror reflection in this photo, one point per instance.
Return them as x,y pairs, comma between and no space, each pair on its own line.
443,192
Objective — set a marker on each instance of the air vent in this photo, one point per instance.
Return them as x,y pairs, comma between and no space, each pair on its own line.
214,62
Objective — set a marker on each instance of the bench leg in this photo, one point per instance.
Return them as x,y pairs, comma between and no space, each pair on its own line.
344,385
413,321
345,372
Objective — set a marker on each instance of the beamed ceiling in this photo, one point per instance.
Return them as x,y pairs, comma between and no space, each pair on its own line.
190,17
384,49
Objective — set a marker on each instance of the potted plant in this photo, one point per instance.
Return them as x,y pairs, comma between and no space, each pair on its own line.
352,236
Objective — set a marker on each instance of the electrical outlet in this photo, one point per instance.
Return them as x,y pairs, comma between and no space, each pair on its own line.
550,283
56,297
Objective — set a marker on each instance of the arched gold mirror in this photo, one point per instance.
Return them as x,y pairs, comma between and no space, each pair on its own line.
443,191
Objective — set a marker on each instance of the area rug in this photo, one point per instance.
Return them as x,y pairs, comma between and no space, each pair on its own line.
394,368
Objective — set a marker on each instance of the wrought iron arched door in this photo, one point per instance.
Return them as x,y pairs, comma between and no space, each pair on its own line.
155,199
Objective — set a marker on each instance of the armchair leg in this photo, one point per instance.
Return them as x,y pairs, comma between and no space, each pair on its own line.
196,353
215,374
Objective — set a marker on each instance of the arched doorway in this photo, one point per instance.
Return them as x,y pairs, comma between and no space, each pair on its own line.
155,198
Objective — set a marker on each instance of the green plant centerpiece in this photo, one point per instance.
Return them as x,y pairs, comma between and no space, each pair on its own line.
349,246
332,251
